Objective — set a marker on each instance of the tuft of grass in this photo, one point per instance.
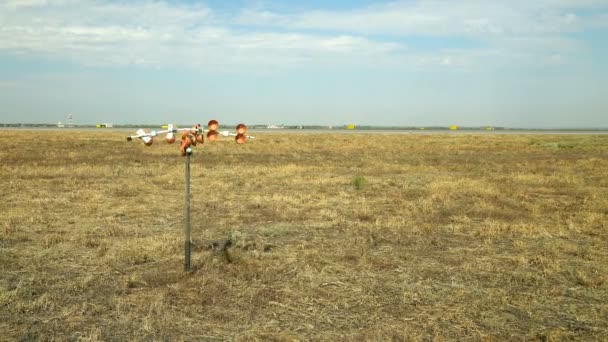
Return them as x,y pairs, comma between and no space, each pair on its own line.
359,182
561,144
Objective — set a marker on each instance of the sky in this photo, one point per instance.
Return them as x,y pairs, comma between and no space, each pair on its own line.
516,63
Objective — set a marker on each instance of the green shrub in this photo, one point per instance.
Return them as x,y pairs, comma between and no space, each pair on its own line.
359,182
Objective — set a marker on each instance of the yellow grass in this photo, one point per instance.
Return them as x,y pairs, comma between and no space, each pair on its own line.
335,237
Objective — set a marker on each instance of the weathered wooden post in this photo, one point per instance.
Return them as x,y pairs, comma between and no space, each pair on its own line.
187,240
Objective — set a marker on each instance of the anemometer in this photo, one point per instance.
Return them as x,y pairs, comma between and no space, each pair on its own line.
190,137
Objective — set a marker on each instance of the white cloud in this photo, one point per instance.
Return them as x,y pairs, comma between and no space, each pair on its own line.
8,84
164,34
424,17
24,3
161,34
511,31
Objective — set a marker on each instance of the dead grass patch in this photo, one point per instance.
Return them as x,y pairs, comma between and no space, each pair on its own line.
450,237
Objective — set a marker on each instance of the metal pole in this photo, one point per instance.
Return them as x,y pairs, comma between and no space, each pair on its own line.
187,241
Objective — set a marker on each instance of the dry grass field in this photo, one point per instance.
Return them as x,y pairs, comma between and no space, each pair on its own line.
335,237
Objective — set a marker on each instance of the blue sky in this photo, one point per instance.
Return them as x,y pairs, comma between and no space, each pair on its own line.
416,62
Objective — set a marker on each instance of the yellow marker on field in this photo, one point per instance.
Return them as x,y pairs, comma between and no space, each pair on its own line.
453,128
350,126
